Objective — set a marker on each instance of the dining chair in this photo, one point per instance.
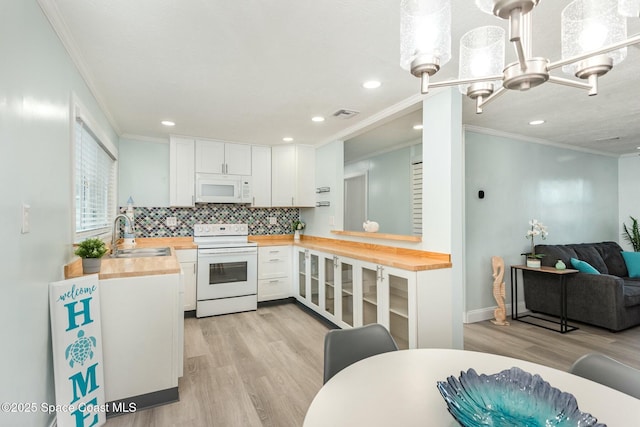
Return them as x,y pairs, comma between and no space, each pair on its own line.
607,371
343,347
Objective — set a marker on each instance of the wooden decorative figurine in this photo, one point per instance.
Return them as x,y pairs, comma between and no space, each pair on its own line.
500,313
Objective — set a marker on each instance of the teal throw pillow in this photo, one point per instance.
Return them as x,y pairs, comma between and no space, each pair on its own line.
584,267
632,259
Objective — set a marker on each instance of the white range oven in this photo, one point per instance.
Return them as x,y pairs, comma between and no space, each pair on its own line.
227,279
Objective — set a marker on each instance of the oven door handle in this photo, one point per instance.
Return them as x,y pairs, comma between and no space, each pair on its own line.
227,251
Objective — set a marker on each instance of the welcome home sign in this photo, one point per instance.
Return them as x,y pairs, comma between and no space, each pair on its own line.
77,352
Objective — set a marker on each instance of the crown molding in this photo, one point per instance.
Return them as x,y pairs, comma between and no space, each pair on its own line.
523,138
51,11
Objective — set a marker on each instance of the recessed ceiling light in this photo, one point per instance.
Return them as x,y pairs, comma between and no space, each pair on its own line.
287,139
417,127
536,122
371,84
168,123
318,119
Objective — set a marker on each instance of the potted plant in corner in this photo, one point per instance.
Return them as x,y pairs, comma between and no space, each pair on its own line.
632,234
91,252
297,226
536,229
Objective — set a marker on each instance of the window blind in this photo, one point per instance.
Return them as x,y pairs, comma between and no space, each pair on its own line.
416,198
94,183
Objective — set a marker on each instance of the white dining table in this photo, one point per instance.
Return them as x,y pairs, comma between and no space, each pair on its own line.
399,389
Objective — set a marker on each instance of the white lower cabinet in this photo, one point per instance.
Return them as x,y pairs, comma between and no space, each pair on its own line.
188,259
389,298
142,334
351,292
274,272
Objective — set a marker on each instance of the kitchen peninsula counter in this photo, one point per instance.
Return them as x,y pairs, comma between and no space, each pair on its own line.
113,268
406,259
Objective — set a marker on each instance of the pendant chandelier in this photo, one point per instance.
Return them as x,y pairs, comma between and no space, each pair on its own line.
594,39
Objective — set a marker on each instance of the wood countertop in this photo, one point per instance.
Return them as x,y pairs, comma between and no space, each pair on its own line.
406,259
113,268
272,240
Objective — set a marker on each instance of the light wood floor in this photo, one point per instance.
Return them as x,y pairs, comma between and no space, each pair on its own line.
263,368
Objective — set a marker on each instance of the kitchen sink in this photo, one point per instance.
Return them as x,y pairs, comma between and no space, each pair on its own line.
143,252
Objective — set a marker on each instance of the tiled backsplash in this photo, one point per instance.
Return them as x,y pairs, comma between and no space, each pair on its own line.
152,222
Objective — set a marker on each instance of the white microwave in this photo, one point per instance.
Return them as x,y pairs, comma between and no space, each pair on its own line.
213,188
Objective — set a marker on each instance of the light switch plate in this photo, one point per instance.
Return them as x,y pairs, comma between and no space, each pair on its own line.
172,221
26,209
273,220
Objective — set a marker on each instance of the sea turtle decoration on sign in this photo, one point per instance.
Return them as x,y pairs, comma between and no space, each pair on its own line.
81,349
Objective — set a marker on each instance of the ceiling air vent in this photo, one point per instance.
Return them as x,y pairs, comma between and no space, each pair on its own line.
345,114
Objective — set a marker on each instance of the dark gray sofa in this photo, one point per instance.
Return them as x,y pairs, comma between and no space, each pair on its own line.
610,300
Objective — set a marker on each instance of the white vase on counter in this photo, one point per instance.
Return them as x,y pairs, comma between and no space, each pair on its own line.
533,263
296,235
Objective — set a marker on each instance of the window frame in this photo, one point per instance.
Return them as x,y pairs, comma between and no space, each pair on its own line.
79,112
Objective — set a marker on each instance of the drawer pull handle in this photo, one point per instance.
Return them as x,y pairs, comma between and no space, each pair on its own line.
274,281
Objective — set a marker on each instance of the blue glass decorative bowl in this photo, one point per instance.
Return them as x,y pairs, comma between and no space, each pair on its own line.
511,398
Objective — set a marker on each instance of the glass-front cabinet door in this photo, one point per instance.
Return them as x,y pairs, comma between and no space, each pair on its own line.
330,284
347,301
301,272
370,280
314,278
399,285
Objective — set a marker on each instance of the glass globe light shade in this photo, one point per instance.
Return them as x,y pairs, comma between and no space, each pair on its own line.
425,29
481,54
629,8
589,25
485,5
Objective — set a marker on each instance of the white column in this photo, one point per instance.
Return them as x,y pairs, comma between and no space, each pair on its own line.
443,190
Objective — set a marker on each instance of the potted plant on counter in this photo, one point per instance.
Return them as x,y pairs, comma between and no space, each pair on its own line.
91,252
536,228
297,226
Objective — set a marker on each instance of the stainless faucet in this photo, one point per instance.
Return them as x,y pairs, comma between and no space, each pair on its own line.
114,235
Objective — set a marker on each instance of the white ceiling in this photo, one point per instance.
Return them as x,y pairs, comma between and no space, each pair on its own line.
256,71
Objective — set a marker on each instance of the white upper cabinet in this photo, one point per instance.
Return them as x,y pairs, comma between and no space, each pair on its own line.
261,176
222,157
293,175
181,172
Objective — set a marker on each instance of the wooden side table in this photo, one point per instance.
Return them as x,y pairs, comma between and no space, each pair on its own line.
562,275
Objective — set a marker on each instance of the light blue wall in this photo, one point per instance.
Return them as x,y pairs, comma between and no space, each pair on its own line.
572,192
389,185
143,172
37,79
629,192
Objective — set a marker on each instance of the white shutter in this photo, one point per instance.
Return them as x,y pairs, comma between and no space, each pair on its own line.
416,198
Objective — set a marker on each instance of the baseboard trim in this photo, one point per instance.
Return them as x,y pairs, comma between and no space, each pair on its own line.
143,401
482,314
273,302
328,323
